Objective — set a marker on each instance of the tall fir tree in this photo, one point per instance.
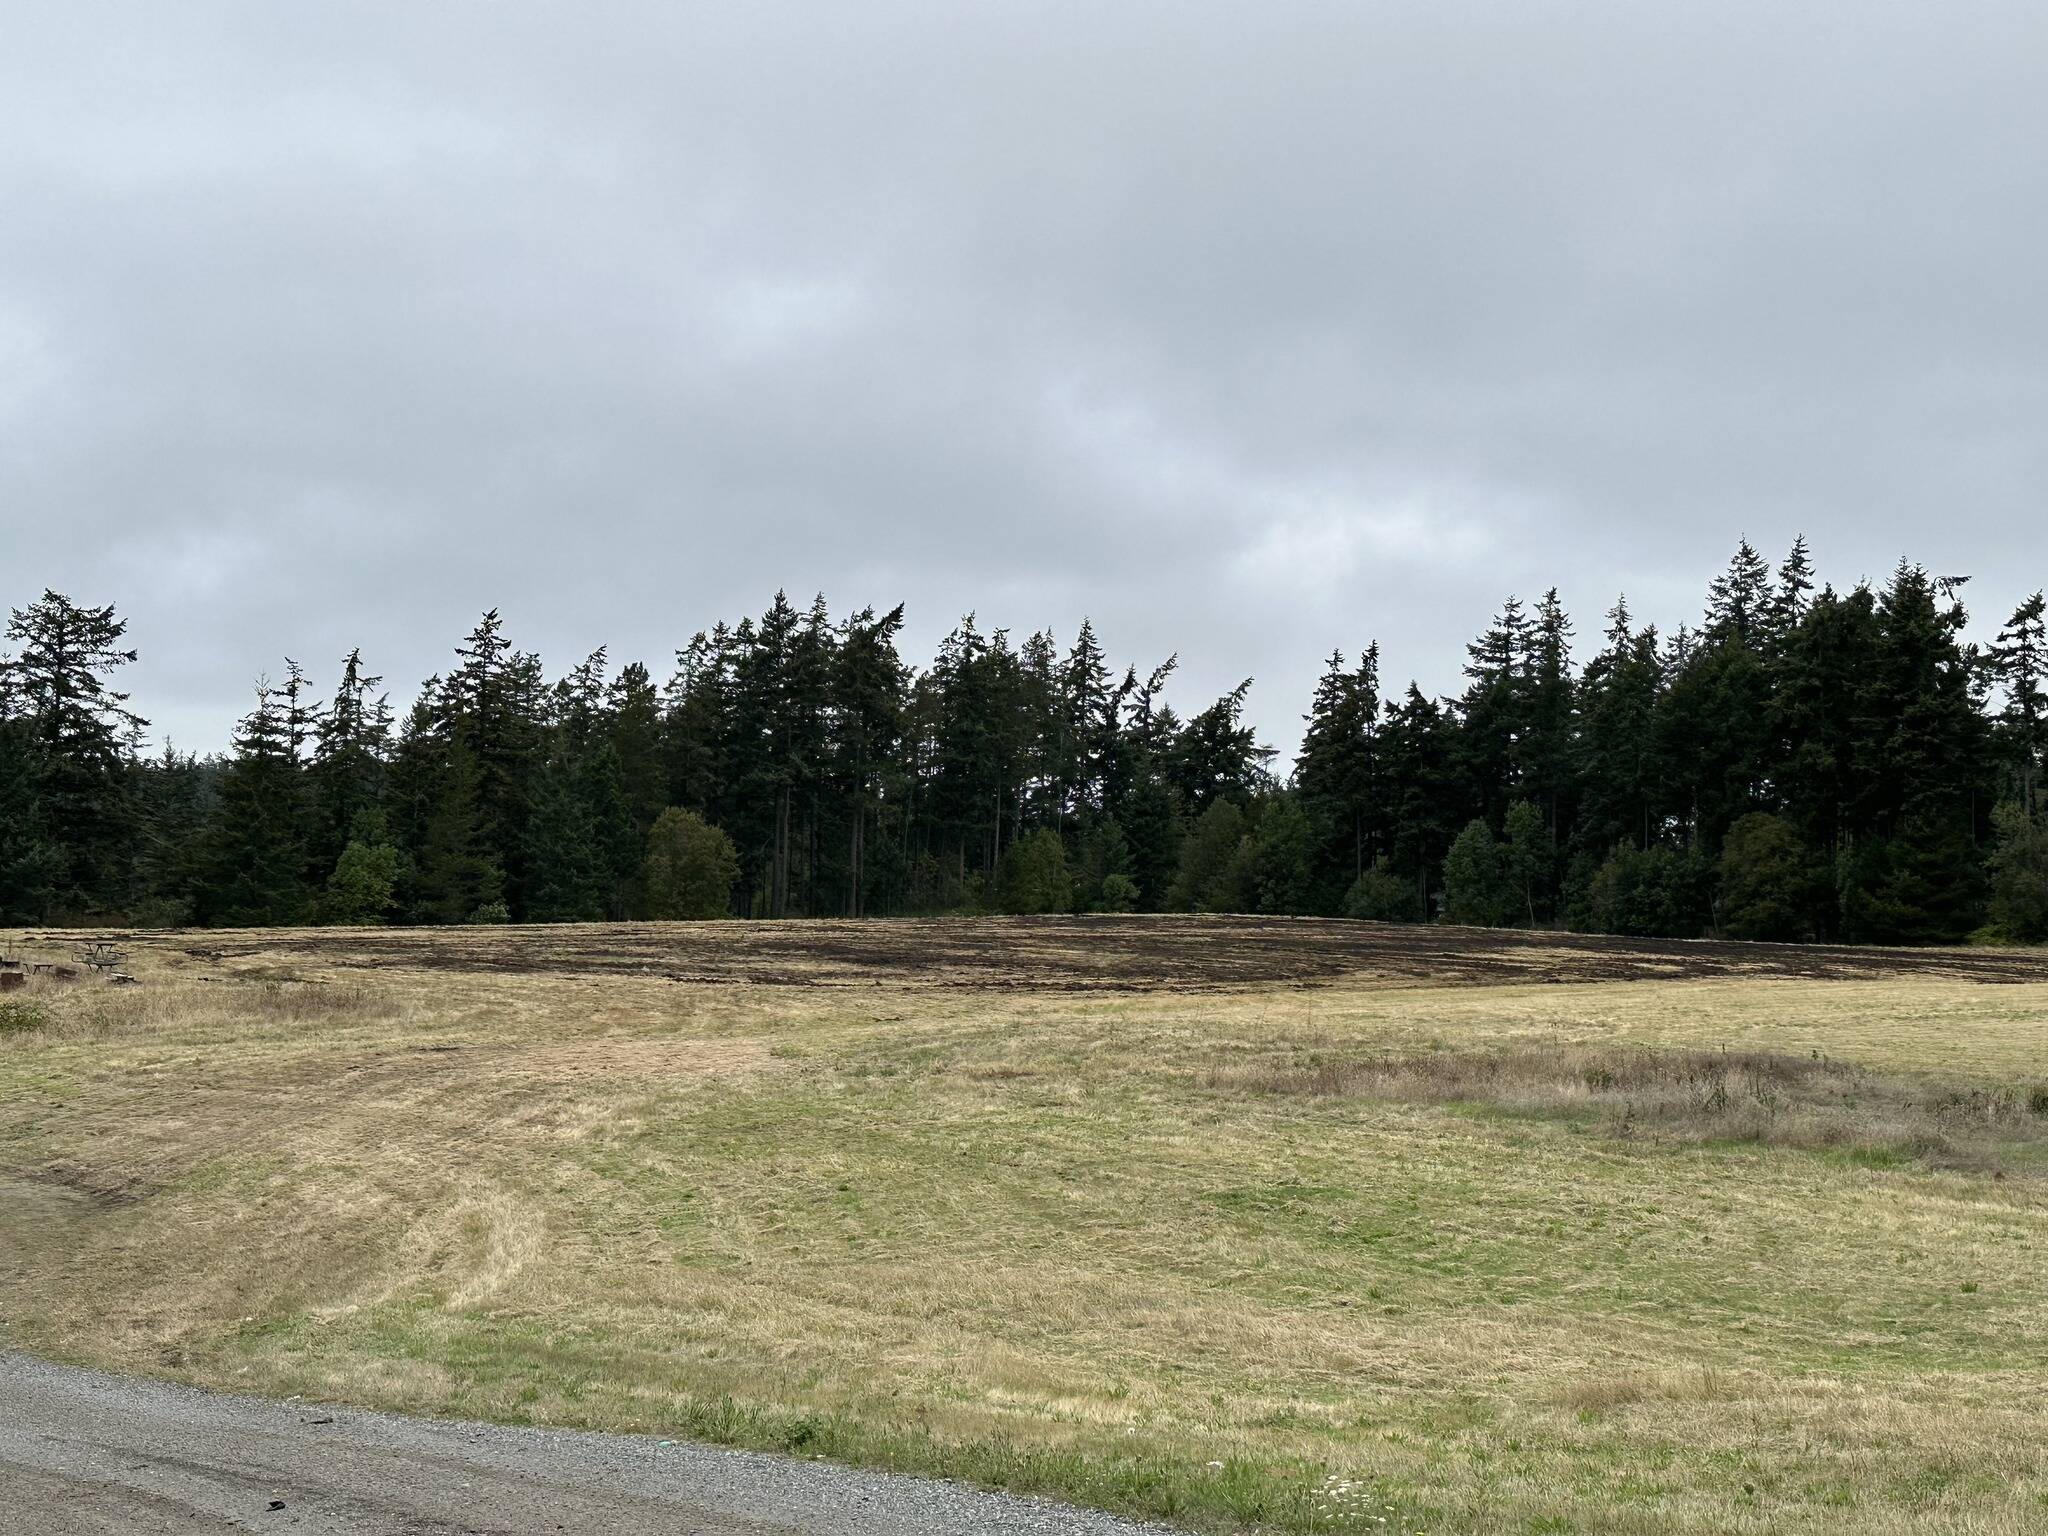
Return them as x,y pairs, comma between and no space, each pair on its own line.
60,679
257,842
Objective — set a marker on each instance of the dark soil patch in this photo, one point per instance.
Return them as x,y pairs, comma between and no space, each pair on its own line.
1093,954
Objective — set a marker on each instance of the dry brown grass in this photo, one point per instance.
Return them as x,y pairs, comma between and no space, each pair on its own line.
1084,1240
1760,1097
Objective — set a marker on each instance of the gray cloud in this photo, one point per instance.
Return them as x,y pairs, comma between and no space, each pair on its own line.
1250,330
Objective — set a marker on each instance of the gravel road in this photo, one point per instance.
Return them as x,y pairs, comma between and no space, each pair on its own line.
84,1452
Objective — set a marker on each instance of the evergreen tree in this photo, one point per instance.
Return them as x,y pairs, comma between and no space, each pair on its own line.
1105,855
77,723
2020,658
2019,875
1740,601
634,718
1788,601
868,696
459,873
255,867
1915,876
1549,724
1287,839
1617,766
1152,825
1834,758
1216,757
1493,714
1339,769
1418,748
1119,894
31,860
175,796
491,712
1088,725
1821,714
352,738
1217,872
571,876
695,721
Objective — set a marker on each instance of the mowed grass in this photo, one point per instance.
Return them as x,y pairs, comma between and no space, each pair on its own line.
1684,1256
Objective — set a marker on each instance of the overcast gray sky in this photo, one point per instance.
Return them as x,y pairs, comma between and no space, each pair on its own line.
1250,330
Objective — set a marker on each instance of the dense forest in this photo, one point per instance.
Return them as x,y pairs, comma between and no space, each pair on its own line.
1803,764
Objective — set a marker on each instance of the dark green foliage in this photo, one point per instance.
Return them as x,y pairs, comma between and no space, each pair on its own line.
1105,854
255,861
1286,845
363,888
31,862
1659,892
690,868
1340,773
1215,758
1381,896
2019,875
2020,659
1527,860
1119,894
1479,882
491,715
175,798
351,744
1804,763
571,877
80,732
1218,866
1767,885
1034,875
459,872
1151,822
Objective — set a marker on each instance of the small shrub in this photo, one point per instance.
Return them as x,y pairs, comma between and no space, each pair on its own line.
23,1016
1119,894
690,868
491,912
1381,896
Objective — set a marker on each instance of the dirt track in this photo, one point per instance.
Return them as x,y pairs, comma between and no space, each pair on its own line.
85,1453
1067,953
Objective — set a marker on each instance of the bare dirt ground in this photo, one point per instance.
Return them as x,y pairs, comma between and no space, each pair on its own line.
1068,954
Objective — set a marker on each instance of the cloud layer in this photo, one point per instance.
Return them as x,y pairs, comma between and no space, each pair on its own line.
1249,330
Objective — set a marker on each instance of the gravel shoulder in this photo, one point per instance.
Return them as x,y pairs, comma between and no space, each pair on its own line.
83,1452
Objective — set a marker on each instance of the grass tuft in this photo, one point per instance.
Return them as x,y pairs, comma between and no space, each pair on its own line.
1702,1097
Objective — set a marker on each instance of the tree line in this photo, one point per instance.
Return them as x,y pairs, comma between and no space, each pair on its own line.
1802,764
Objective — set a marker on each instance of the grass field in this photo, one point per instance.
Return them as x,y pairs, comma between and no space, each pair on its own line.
1315,1227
